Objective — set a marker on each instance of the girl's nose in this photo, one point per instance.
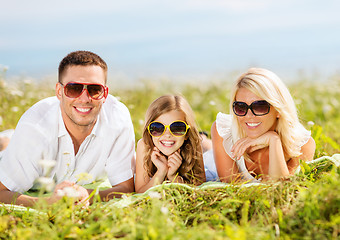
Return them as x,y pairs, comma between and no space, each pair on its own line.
167,131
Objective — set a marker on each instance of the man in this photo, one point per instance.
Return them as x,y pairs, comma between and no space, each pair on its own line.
84,129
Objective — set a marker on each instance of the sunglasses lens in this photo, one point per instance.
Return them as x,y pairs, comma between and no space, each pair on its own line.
240,108
178,128
260,107
95,91
156,129
73,90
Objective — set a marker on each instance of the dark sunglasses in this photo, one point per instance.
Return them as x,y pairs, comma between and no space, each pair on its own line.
74,90
258,108
177,128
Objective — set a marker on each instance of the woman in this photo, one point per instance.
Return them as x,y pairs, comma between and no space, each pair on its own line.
263,137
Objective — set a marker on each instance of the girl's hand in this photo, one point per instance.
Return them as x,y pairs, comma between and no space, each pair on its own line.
159,160
248,145
174,162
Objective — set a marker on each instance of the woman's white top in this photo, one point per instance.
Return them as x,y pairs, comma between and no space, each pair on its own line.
223,126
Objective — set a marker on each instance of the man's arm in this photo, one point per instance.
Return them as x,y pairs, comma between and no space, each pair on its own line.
116,191
10,197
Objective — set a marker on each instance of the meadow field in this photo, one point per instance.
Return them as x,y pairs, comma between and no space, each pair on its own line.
305,206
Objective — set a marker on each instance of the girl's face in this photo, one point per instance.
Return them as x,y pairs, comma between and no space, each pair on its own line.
255,126
167,143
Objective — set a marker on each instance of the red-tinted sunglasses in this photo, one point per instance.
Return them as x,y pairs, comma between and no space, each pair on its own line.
95,91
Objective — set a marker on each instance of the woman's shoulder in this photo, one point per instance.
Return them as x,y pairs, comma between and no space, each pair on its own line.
223,124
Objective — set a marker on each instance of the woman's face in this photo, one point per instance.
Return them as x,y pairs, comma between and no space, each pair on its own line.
255,126
167,143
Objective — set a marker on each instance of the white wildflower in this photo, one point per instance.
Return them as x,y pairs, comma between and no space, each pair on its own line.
47,183
155,195
310,123
165,210
47,164
15,109
45,180
4,67
326,108
15,92
335,102
298,101
131,106
212,103
141,122
28,81
68,192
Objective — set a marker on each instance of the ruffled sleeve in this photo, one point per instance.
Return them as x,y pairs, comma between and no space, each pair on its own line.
305,136
223,127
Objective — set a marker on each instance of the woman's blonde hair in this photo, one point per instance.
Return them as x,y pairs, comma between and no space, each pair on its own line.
191,150
268,86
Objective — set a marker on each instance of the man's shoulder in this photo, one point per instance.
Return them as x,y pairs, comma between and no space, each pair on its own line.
44,111
114,108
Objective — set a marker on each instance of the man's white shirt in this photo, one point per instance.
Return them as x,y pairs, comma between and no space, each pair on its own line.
108,152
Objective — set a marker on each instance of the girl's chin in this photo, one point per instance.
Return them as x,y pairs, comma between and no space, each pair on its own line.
168,153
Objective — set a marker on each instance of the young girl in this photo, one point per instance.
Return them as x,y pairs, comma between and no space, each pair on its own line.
170,149
263,137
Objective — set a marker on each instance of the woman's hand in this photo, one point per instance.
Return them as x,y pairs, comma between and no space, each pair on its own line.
277,164
174,162
248,145
160,161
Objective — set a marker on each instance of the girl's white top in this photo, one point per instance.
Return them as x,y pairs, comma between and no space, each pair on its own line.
223,126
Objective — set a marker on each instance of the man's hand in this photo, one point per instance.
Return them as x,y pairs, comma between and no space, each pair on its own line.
72,190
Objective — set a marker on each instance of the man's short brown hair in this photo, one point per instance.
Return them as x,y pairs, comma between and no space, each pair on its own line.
81,58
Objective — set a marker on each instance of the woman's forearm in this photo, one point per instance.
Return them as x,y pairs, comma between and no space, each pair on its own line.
277,163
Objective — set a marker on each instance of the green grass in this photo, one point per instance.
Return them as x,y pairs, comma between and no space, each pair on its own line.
305,206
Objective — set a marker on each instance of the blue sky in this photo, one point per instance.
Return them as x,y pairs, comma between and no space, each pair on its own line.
177,38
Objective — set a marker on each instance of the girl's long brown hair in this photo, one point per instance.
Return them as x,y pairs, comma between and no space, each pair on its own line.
191,150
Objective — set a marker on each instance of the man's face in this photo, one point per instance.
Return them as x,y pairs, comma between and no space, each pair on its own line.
80,113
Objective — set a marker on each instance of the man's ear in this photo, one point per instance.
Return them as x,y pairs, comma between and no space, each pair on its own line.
106,93
58,90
